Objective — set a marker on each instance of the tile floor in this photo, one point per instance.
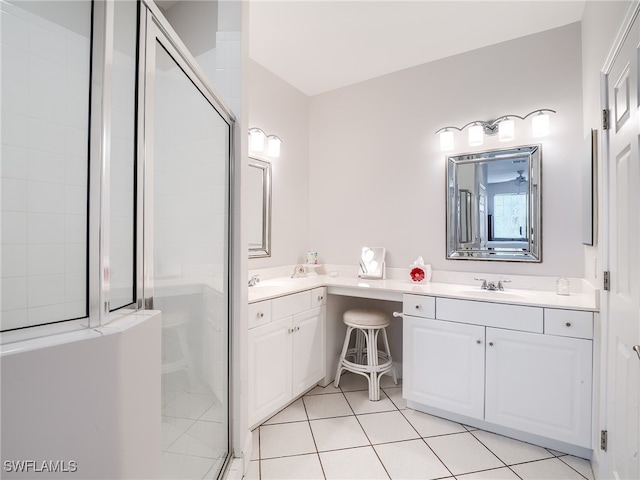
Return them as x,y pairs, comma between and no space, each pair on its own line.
339,434
194,430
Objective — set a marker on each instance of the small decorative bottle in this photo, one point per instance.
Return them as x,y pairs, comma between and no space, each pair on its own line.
562,286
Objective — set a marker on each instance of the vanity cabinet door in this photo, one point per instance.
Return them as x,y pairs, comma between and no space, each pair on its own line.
539,384
308,349
270,350
443,365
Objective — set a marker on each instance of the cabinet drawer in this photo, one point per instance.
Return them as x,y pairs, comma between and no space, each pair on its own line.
511,317
318,297
419,306
259,313
290,304
568,323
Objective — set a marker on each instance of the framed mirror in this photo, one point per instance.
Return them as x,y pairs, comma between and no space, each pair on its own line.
372,262
494,205
259,210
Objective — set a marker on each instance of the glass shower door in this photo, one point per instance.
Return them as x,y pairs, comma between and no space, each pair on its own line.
187,177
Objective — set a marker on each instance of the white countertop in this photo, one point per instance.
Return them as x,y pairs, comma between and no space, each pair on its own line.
393,289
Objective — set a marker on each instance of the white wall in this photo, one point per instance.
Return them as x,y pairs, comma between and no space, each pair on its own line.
377,176
279,109
600,24
211,32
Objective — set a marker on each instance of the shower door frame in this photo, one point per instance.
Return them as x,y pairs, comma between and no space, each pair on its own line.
154,28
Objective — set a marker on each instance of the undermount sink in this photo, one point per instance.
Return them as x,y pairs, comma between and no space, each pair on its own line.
271,284
494,294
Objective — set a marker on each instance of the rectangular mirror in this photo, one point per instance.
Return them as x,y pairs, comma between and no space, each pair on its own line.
494,205
259,210
372,262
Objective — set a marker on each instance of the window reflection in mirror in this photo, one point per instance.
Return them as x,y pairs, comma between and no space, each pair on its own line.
493,205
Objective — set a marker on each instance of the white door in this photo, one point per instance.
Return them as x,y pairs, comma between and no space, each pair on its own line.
443,365
539,384
308,349
623,364
269,368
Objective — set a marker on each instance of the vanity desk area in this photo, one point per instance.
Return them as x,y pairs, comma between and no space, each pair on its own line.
517,362
514,356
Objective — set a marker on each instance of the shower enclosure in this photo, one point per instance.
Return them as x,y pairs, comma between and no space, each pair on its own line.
116,174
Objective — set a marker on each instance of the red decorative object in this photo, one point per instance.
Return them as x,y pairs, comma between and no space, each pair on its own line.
417,274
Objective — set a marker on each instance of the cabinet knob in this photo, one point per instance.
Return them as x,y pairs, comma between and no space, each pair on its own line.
320,298
491,344
260,315
478,342
568,324
417,307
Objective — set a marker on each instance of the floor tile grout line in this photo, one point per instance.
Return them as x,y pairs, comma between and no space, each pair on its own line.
574,468
426,443
313,437
424,439
193,422
509,465
492,452
436,455
365,433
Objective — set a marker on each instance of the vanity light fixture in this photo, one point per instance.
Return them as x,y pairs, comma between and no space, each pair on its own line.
504,126
540,124
446,140
258,138
273,145
506,130
476,135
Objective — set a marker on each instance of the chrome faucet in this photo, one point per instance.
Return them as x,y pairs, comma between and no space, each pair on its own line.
253,280
492,286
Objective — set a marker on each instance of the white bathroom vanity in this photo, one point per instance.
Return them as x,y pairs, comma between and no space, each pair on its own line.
517,362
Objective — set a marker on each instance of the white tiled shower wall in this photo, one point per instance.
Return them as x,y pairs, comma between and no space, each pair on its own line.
45,72
189,184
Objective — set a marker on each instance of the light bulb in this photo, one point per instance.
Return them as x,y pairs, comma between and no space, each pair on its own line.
273,146
540,125
476,135
506,130
446,140
256,140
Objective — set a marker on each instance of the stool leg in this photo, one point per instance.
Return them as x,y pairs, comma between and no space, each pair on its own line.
372,362
345,347
388,351
360,340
